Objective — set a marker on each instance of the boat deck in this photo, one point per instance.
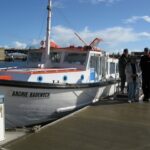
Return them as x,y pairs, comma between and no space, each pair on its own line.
106,125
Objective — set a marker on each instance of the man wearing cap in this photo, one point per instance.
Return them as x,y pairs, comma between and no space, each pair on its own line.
122,64
145,67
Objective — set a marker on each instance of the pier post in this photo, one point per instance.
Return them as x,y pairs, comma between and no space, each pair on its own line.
2,120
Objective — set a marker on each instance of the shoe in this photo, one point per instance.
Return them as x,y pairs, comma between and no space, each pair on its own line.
129,101
145,100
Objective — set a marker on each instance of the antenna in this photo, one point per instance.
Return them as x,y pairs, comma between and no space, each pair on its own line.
93,44
80,39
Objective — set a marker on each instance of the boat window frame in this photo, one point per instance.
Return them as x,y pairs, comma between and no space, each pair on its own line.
33,55
98,65
78,60
56,61
112,67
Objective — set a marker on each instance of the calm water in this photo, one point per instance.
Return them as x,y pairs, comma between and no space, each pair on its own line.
19,64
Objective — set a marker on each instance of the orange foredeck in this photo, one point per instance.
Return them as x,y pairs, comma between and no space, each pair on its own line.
6,77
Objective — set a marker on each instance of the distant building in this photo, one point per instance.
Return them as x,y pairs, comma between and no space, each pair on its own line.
2,54
14,50
9,53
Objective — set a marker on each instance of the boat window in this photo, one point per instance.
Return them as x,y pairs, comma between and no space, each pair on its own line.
117,70
95,63
55,57
35,57
103,66
107,67
112,68
75,58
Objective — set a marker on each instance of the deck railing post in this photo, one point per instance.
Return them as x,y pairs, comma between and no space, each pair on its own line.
2,118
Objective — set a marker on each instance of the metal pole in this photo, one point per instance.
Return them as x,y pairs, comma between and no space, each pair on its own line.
2,118
46,54
48,27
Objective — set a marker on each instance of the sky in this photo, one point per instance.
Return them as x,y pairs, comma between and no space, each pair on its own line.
119,23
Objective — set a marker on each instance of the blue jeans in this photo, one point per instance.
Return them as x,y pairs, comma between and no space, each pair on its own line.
132,90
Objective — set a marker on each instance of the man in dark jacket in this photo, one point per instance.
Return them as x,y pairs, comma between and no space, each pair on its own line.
122,64
145,67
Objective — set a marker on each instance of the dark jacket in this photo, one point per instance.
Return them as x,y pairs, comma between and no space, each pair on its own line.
122,64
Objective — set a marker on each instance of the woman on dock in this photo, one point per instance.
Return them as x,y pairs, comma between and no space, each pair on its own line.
133,73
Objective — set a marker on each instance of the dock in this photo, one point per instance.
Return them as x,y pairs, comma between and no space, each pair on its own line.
105,125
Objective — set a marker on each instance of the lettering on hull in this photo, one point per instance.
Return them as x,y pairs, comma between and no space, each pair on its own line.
30,94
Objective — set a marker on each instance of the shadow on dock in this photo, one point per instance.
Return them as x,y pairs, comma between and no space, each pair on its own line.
116,99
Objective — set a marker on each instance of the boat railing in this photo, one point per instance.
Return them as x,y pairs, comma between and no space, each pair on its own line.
8,68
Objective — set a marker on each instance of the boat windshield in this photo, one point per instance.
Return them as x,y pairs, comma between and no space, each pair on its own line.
35,56
75,58
112,68
55,57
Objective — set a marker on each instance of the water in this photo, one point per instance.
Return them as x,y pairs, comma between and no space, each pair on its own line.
18,64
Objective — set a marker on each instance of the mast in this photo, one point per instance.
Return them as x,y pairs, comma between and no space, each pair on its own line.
48,27
46,54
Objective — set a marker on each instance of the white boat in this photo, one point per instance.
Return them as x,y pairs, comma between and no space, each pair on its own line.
57,80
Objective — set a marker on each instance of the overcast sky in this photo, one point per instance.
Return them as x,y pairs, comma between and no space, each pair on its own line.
120,23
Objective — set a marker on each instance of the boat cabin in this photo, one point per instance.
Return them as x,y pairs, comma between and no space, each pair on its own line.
93,64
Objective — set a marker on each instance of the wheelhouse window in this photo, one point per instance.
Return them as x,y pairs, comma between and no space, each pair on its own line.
95,62
75,58
112,68
117,70
107,67
35,56
55,57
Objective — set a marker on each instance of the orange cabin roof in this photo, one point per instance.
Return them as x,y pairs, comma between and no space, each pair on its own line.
54,45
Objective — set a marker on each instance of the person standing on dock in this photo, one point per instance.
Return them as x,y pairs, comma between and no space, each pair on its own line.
145,67
122,64
133,72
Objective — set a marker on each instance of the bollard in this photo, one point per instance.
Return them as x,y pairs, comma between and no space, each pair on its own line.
2,120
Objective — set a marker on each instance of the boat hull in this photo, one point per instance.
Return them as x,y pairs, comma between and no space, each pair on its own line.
26,105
